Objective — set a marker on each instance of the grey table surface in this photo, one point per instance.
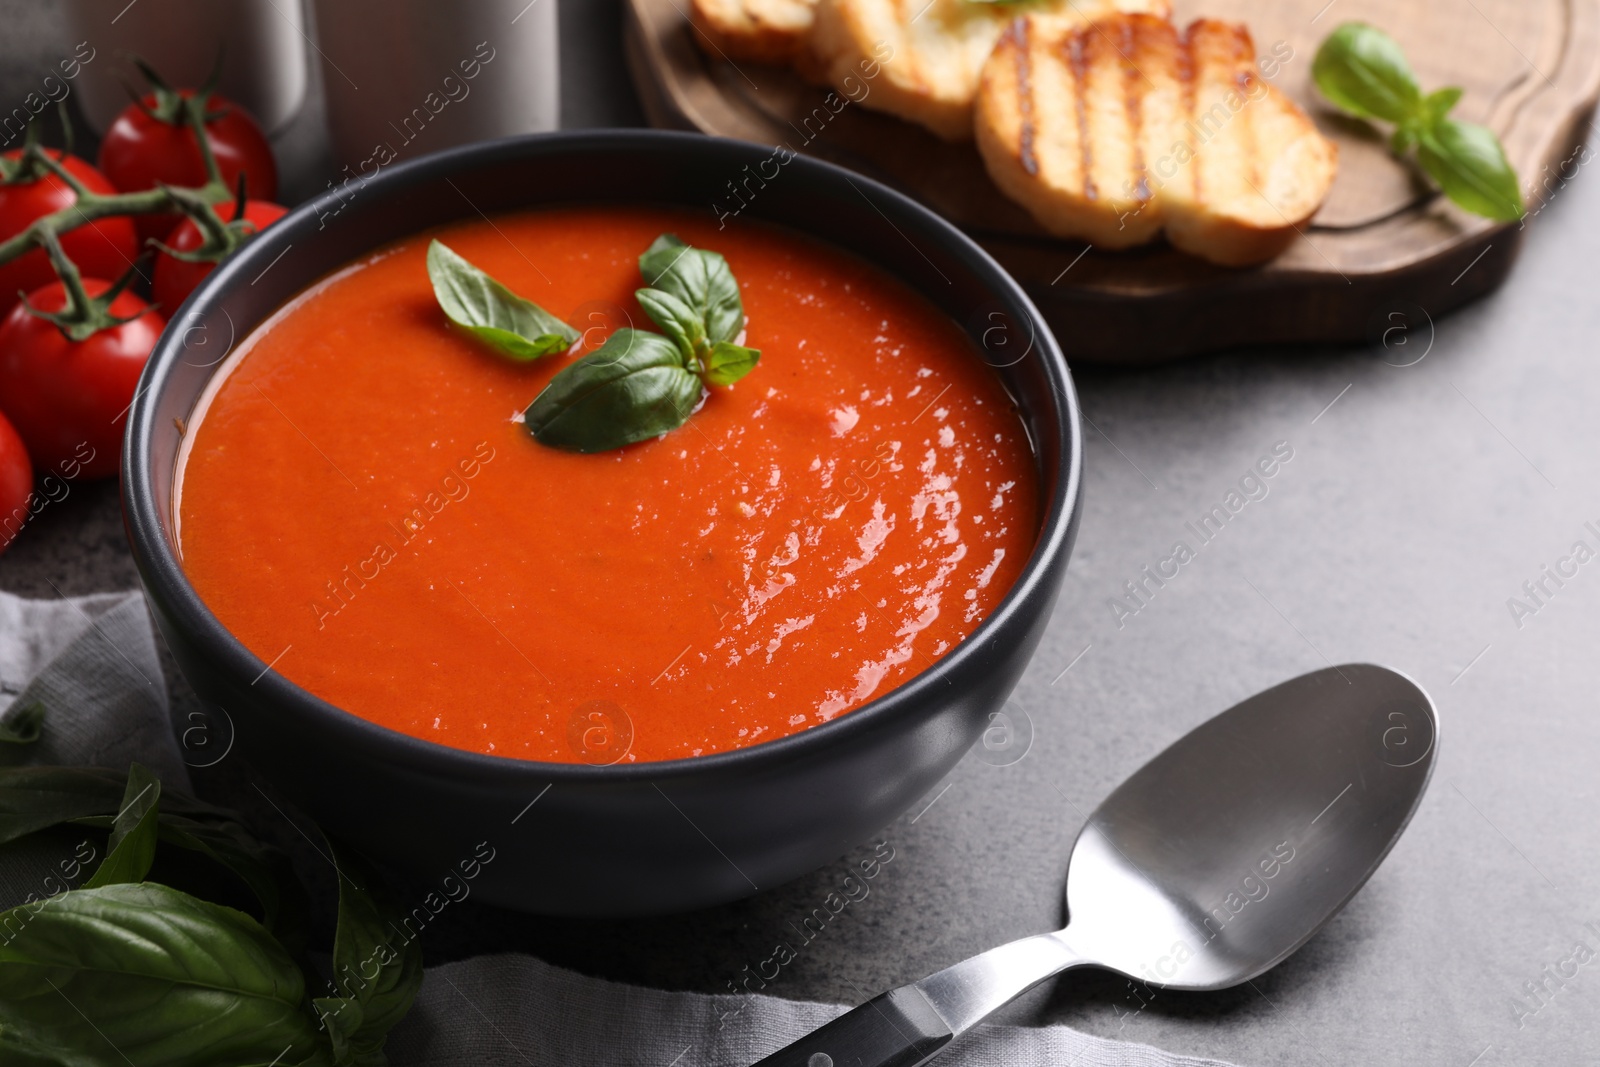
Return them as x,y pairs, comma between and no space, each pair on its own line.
1418,501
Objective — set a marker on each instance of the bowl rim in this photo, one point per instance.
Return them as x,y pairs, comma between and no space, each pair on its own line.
163,575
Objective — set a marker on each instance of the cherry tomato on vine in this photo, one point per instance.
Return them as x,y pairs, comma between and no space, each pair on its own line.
176,278
103,248
69,399
16,483
151,142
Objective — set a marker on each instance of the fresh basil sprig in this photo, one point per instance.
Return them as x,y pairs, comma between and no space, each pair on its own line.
359,1020
37,798
698,278
132,845
638,384
164,976
1364,72
492,313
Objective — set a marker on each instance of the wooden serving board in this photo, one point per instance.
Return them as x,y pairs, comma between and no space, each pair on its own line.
1384,245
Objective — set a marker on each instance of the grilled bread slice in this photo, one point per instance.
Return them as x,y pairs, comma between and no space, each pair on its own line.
766,31
1119,129
931,52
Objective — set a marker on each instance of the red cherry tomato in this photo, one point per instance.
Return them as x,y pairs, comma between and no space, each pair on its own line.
176,278
140,150
104,248
69,399
16,483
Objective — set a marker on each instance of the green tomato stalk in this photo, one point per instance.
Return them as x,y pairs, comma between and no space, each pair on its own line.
81,318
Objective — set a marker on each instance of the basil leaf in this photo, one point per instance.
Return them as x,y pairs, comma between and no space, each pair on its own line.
262,868
1470,166
1363,71
1437,104
492,313
631,388
339,1018
132,847
160,977
18,1051
36,798
700,279
1434,107
730,362
378,979
677,320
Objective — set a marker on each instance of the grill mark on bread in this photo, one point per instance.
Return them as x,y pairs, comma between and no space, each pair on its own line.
1020,36
1133,104
1185,74
941,49
1178,93
1075,63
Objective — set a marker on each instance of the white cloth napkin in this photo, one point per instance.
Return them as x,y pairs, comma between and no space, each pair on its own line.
92,663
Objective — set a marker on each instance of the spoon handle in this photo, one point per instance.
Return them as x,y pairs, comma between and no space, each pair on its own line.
894,1029
906,1026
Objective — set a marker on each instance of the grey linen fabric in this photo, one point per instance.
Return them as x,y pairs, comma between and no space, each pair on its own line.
91,663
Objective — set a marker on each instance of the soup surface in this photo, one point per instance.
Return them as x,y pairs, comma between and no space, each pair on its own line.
360,504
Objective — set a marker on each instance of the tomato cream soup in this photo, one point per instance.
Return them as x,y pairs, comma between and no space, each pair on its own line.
361,504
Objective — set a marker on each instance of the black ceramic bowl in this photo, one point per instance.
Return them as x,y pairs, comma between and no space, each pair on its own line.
632,838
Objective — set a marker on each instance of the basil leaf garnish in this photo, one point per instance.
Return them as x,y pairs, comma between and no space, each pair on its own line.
1470,166
700,279
492,313
631,388
677,320
132,847
639,384
167,978
729,362
1364,72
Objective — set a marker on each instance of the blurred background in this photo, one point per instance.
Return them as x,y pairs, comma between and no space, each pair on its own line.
274,53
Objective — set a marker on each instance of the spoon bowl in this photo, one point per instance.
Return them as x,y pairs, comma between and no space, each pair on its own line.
1226,852
1206,867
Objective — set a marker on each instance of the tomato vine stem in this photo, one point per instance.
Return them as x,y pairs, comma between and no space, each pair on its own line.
194,202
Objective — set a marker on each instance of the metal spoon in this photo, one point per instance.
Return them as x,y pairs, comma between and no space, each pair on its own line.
1208,866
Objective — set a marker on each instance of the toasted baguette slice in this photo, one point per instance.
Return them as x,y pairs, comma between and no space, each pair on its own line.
931,52
1122,128
765,31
